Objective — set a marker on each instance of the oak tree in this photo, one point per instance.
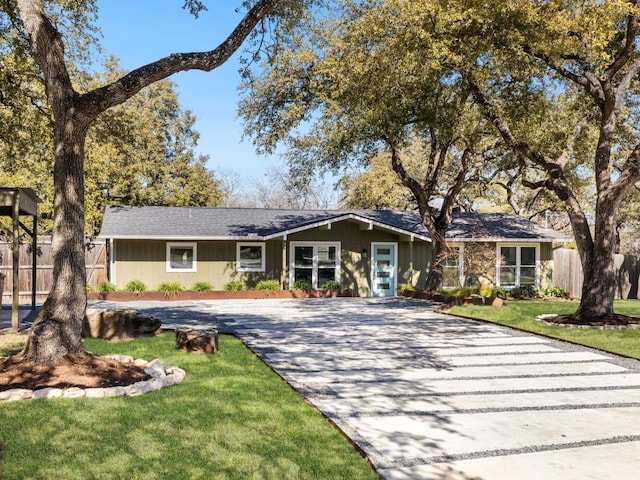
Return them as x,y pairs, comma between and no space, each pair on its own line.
56,330
584,53
364,79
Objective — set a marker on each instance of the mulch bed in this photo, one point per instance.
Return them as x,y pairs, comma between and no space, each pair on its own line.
84,371
615,319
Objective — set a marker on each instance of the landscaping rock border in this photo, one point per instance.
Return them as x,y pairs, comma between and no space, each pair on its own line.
162,375
542,319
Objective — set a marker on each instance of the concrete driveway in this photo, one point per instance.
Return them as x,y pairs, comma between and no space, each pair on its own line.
429,396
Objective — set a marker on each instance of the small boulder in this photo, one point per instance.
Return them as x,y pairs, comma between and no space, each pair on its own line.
118,324
197,341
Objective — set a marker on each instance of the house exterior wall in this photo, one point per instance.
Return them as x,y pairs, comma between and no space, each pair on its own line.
145,260
546,265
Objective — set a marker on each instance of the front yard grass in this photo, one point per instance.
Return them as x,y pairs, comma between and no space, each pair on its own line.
521,313
231,418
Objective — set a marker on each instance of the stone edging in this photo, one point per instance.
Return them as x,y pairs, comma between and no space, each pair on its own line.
542,319
162,375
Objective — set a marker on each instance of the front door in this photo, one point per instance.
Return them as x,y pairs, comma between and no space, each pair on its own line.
383,269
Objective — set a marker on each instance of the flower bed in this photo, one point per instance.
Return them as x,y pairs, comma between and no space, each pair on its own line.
218,295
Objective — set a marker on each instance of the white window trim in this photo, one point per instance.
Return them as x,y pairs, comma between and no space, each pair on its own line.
518,265
460,247
193,245
314,268
263,263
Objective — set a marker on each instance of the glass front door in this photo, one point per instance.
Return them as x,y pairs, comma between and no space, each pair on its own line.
383,270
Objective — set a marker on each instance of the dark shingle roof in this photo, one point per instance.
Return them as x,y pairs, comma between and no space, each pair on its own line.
242,223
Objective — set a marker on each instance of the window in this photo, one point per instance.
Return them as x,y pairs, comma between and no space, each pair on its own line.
316,263
517,266
181,257
250,257
453,268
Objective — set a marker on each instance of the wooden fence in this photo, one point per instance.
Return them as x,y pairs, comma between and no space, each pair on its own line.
95,258
567,273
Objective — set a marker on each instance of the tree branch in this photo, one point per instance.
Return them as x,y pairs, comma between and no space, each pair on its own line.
628,50
99,100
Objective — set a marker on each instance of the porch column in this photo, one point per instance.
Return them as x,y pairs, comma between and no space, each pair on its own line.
15,214
411,271
284,275
34,260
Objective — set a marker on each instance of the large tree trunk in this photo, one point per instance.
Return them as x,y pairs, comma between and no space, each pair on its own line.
598,265
57,329
439,252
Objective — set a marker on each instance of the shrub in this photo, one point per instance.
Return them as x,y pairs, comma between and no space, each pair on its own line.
90,288
486,290
303,285
268,285
331,285
402,287
136,287
554,292
106,286
524,291
234,286
170,288
461,292
202,287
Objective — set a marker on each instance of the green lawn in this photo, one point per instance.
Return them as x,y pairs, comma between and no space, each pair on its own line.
231,418
521,314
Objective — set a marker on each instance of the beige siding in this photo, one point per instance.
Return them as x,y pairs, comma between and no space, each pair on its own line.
546,265
413,263
145,260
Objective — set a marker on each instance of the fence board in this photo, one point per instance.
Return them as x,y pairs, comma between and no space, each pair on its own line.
567,273
95,258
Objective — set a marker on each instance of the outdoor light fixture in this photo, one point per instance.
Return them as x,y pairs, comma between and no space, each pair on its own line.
365,254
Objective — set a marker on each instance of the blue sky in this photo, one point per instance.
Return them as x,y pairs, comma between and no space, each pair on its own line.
142,31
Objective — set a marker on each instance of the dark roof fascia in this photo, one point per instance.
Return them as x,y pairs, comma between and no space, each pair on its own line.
559,239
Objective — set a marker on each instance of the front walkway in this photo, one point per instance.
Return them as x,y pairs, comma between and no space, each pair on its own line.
428,396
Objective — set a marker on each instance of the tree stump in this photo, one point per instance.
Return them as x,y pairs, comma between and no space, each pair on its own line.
197,341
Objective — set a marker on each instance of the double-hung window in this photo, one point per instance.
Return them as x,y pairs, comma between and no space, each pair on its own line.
453,268
250,257
518,266
182,257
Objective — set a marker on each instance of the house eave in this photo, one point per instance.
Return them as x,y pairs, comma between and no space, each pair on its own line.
508,240
185,238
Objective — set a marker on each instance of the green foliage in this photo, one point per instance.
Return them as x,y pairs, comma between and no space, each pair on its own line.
486,290
553,292
171,288
331,285
139,153
234,286
231,415
106,286
303,285
461,292
202,287
90,288
406,287
269,285
524,291
136,287
143,153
